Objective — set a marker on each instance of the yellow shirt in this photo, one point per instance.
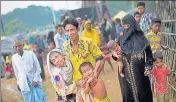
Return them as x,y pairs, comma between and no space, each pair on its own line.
87,52
155,40
26,47
8,60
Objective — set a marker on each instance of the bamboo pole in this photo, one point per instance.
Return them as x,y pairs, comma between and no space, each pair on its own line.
166,10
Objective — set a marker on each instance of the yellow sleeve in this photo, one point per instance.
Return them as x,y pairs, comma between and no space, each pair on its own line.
97,38
96,52
147,36
83,34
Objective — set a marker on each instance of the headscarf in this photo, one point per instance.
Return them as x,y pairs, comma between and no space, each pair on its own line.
134,39
93,34
64,74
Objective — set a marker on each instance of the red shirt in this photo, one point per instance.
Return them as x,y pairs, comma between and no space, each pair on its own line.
8,69
160,78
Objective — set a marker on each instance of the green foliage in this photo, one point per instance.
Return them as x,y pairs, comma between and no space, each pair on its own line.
33,16
14,26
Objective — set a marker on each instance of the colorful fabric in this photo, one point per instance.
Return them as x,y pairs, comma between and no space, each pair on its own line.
9,69
26,47
8,60
162,98
87,51
106,54
61,77
102,100
160,78
92,35
146,22
155,40
36,94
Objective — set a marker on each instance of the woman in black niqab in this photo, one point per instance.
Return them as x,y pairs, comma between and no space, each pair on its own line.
137,57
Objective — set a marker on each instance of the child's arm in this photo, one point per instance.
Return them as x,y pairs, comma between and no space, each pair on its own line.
148,72
87,87
168,71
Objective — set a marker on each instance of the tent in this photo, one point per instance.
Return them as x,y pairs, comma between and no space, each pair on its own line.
120,15
90,12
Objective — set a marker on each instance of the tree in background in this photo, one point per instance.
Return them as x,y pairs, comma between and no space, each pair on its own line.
13,27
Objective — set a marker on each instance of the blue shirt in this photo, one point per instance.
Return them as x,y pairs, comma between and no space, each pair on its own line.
118,30
59,40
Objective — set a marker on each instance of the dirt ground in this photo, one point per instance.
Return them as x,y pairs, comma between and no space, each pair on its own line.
110,78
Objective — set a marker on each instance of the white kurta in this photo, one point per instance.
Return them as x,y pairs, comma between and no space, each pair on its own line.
25,66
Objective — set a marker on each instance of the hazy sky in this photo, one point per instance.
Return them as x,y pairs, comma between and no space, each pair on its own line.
8,6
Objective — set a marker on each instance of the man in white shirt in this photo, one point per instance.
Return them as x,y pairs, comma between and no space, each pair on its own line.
60,37
27,71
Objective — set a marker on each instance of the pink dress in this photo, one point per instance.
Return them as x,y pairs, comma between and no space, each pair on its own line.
160,78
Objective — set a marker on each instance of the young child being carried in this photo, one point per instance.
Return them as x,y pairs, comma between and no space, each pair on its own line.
160,72
116,51
104,48
93,85
60,70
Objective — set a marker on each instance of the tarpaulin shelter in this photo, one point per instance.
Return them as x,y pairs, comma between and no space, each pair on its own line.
89,11
120,15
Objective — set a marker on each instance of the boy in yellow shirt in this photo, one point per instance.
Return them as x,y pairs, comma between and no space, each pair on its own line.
154,36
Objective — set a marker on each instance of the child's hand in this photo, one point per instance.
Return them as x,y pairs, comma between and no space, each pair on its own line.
147,72
116,54
90,79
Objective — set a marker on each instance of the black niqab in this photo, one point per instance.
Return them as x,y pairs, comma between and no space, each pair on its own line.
134,40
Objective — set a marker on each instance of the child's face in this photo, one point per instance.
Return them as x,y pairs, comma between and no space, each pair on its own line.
137,18
87,71
88,26
156,27
51,46
42,54
159,63
58,60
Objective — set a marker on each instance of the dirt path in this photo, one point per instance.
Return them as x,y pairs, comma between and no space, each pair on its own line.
110,79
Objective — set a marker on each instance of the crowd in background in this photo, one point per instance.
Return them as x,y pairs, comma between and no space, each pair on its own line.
142,29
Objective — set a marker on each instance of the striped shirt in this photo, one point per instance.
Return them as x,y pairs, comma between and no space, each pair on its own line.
154,40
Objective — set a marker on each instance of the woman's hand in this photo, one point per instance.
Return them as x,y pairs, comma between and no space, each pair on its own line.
34,83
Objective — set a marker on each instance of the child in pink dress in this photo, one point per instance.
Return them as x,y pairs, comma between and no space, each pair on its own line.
160,72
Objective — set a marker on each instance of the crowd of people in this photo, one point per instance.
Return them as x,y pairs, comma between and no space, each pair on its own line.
76,54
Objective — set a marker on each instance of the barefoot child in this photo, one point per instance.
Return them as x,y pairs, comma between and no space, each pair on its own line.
60,70
115,48
93,85
160,72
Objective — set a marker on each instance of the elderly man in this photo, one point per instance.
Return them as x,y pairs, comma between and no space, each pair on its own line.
27,71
